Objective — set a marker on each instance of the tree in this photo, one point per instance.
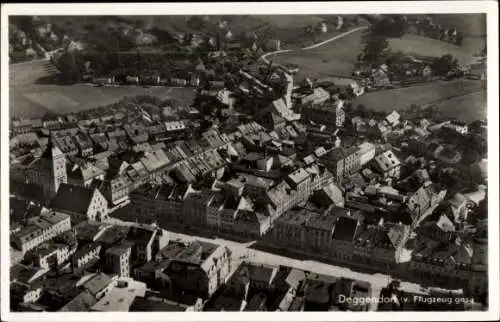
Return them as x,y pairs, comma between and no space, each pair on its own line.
374,49
444,64
70,71
390,26
459,39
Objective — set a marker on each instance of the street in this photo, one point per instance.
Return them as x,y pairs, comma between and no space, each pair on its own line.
242,252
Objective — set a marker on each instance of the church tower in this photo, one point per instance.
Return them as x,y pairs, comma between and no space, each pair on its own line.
55,162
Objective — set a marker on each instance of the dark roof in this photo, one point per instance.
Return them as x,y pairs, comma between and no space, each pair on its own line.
260,273
97,283
28,191
81,303
114,235
139,235
345,229
72,198
22,209
147,305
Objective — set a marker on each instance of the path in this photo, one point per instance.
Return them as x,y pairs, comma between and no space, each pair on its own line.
264,57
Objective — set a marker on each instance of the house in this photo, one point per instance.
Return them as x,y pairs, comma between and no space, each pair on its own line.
366,152
459,127
208,267
80,203
86,256
117,259
331,114
318,97
382,245
251,223
41,229
327,196
393,118
387,164
147,241
50,255
342,162
84,173
423,201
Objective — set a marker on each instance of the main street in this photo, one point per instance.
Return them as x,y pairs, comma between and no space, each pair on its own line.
241,251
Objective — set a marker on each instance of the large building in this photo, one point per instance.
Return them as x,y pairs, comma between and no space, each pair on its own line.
49,170
342,162
199,272
41,229
331,114
81,203
117,260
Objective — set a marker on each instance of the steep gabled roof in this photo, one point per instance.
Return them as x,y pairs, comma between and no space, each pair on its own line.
71,198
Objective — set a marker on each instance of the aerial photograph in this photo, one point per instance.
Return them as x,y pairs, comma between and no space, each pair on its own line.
175,163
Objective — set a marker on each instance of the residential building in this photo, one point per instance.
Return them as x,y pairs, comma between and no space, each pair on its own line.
50,255
208,266
342,162
41,229
421,202
85,257
331,114
387,164
251,223
381,246
84,143
317,97
117,260
147,241
366,152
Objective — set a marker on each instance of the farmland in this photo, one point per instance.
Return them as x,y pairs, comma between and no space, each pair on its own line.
335,58
31,97
462,98
471,107
431,47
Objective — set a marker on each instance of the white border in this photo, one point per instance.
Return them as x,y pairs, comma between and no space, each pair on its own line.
366,7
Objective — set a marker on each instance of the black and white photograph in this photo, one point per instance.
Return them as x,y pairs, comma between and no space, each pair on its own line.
297,161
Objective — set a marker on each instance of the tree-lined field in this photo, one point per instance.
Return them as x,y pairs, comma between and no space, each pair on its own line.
332,59
31,95
425,46
463,99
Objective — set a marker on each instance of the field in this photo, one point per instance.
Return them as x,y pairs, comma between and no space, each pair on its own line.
471,106
332,59
463,99
432,47
30,96
472,25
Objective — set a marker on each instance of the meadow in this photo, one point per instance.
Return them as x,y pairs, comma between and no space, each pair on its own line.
332,59
431,47
31,96
462,99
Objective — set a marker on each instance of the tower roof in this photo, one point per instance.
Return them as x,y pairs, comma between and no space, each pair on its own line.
52,150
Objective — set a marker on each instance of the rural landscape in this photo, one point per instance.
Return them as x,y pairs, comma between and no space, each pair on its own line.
286,163
33,95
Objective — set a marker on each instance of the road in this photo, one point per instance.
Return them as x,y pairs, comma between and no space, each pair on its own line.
264,57
241,252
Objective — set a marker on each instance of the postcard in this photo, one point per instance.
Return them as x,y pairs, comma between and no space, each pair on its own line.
250,161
